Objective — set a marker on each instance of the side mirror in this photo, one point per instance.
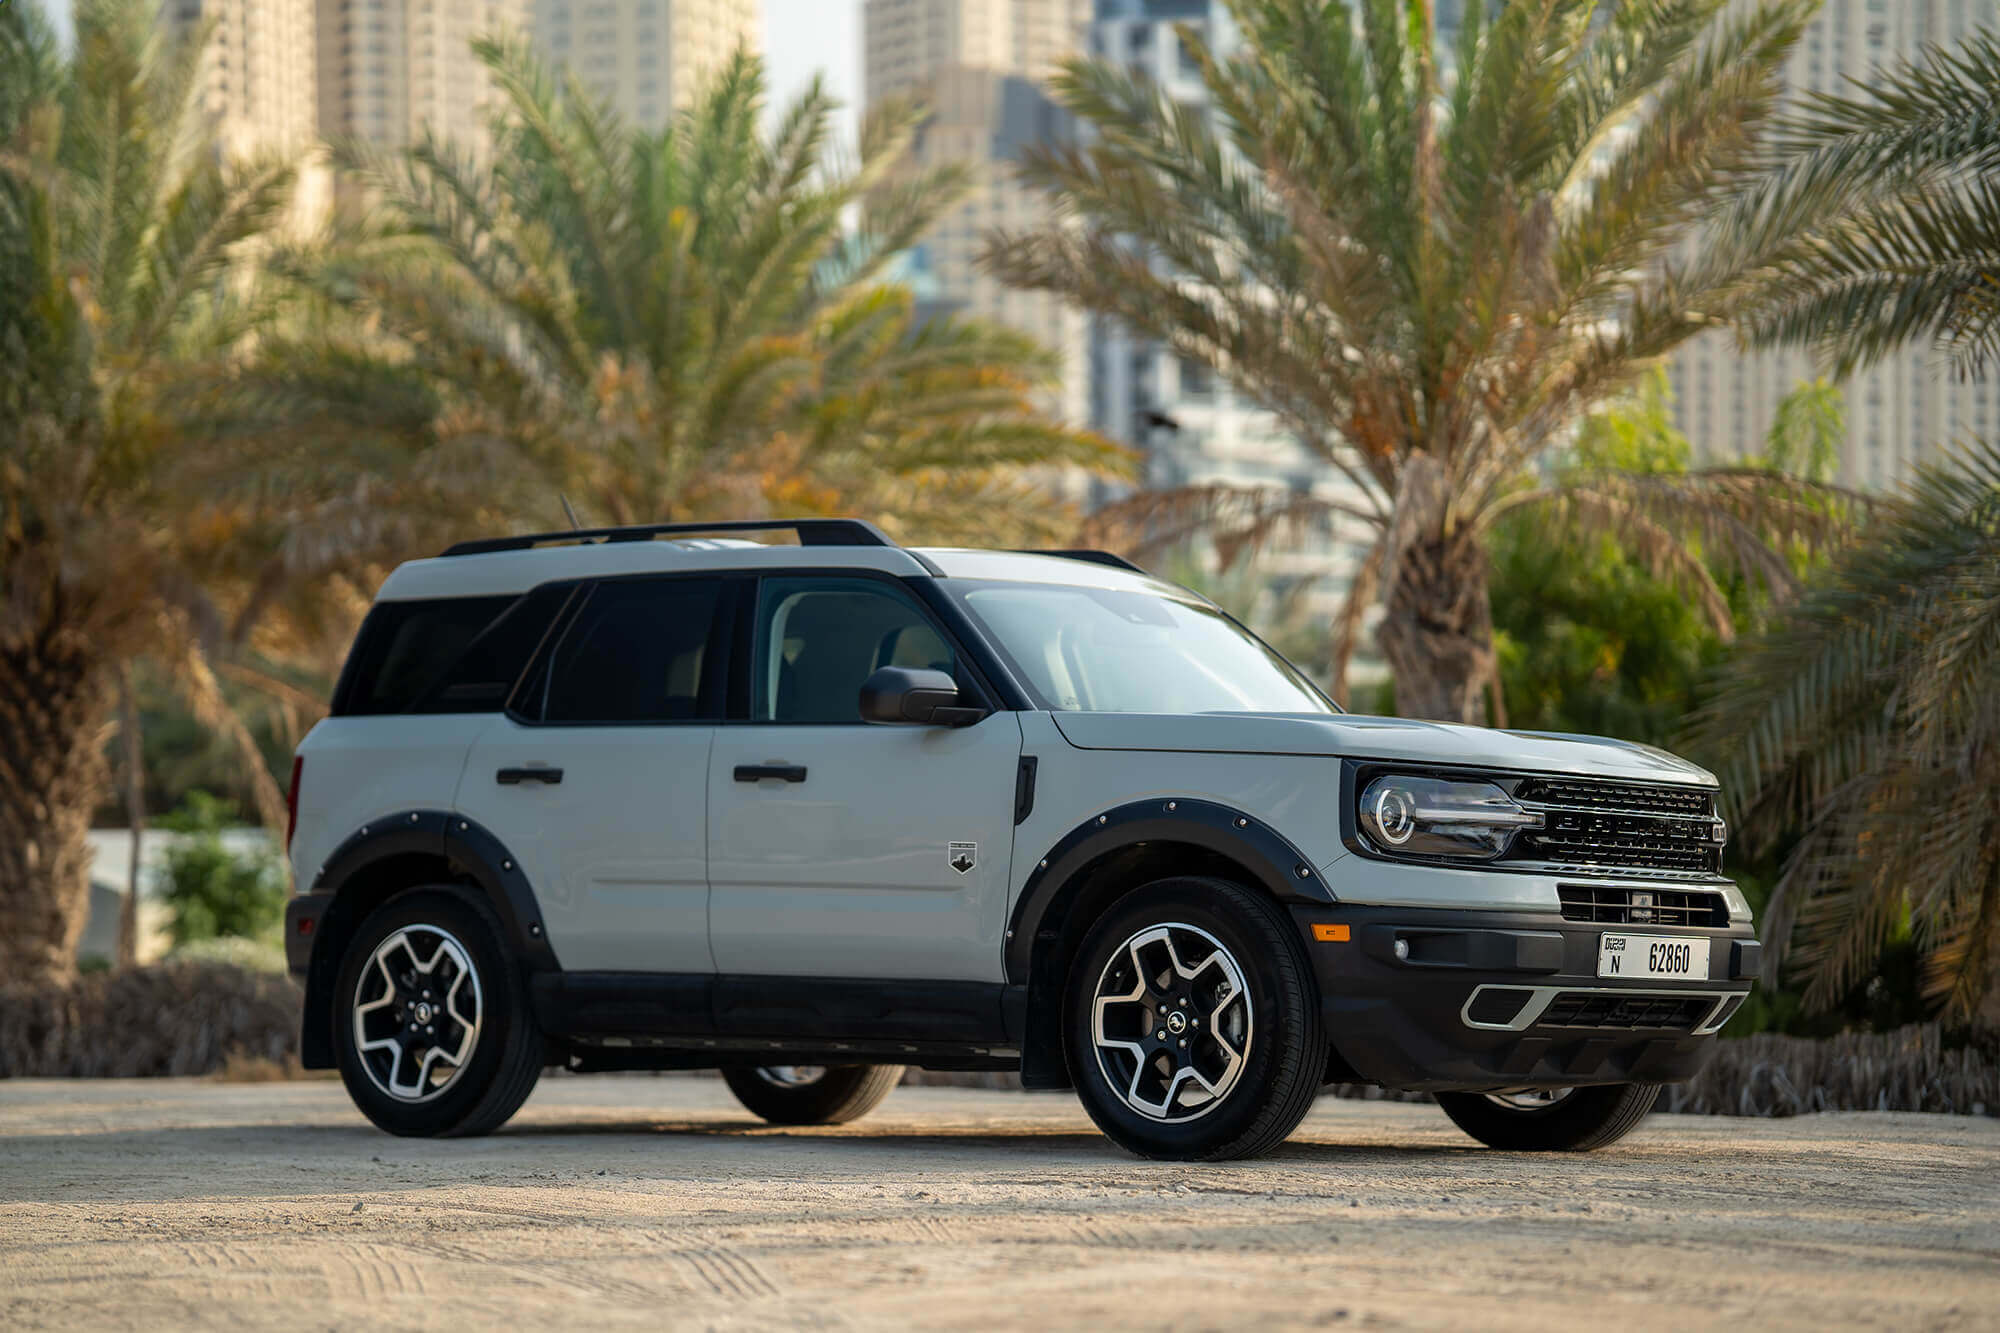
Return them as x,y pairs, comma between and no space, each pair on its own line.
914,695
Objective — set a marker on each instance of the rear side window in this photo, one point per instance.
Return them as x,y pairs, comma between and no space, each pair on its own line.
638,651
446,655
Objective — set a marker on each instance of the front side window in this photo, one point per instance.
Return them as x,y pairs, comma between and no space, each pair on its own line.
637,652
1099,650
818,639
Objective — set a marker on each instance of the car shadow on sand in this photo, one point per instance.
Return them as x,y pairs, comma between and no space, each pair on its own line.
316,1159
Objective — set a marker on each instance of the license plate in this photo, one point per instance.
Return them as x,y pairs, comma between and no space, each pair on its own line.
1652,957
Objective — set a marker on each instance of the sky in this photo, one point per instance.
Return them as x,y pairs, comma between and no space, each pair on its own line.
804,37
801,38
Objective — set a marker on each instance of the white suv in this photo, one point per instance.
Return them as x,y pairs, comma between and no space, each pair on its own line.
661,798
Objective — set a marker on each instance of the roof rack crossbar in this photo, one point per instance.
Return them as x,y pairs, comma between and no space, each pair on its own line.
810,532
1091,556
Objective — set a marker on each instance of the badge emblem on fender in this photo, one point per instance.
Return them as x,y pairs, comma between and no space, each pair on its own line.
963,856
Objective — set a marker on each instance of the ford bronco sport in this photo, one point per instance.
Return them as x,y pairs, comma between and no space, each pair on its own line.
672,798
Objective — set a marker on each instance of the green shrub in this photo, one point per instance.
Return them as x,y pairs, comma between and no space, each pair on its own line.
262,954
212,890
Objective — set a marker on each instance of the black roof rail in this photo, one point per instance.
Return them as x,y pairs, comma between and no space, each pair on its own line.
810,531
1092,557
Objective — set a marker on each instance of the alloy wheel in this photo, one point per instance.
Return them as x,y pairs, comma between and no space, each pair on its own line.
791,1076
1171,1022
1529,1099
416,1013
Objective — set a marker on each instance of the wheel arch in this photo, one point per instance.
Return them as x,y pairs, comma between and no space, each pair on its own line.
1103,859
402,851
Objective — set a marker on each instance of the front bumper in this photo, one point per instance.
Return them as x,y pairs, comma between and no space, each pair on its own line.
1510,1000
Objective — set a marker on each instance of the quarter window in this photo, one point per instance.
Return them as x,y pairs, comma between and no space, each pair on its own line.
819,639
484,674
405,649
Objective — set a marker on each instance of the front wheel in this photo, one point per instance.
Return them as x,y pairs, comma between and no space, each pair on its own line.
1193,1027
812,1094
1551,1120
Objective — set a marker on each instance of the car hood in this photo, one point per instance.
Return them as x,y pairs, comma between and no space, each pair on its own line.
1357,736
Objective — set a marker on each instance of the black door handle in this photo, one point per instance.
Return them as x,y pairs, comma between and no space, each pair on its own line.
758,772
514,777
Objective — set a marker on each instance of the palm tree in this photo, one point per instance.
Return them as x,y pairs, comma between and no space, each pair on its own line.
685,324
1896,191
1870,719
127,529
1869,716
1429,282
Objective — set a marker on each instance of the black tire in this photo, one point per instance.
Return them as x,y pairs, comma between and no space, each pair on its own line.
504,1059
839,1094
1283,1050
1585,1119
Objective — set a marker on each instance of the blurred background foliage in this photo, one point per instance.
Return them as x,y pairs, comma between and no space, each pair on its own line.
215,891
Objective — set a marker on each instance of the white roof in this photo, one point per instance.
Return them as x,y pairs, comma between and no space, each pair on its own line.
495,573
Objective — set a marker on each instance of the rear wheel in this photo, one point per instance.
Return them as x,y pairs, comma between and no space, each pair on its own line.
1552,1119
1193,1028
432,1030
812,1094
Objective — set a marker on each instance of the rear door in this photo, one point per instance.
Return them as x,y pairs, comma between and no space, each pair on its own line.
843,849
597,780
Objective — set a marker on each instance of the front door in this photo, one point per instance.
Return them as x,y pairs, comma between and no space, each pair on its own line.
843,849
599,784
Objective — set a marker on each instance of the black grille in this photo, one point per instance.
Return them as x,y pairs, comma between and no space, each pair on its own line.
1642,907
1628,797
1618,826
1595,1009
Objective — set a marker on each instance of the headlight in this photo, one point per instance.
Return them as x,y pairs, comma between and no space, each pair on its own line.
1437,817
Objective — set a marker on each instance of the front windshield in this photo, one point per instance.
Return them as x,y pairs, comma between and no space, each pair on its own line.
1096,650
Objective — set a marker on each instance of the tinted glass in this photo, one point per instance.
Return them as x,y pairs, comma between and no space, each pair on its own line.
819,639
484,674
405,648
1098,650
637,652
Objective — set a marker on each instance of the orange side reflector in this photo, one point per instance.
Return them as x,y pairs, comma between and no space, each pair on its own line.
1330,934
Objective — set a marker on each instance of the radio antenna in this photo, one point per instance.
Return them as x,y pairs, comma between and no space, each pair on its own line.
570,514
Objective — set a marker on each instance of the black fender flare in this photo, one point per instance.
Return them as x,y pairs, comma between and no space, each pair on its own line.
1279,868
471,854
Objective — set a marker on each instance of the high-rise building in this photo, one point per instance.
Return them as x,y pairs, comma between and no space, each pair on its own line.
978,64
390,68
1902,409
257,80
257,69
645,57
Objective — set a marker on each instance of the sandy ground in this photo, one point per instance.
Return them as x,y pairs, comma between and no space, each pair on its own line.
645,1201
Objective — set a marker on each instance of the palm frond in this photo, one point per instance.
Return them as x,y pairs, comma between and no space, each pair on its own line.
1876,228
1869,716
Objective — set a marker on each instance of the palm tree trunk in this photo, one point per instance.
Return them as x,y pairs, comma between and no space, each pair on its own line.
1437,629
54,697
